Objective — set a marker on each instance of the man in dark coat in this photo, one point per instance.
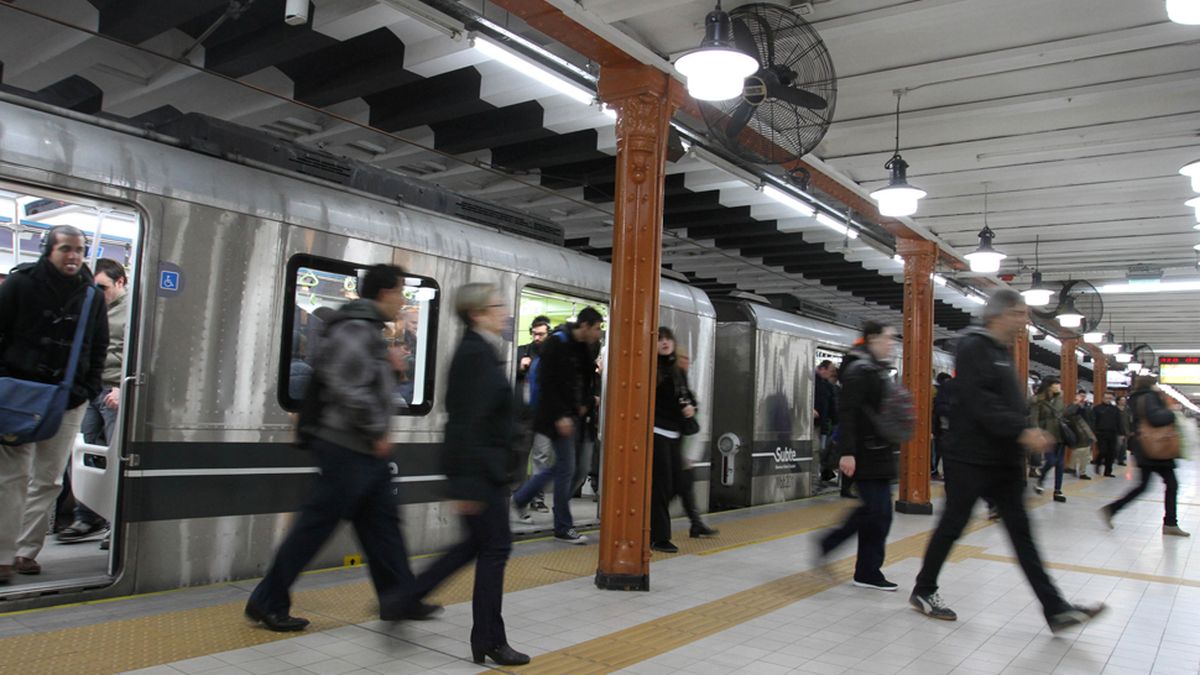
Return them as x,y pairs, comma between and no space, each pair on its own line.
866,455
1108,427
989,435
40,306
825,416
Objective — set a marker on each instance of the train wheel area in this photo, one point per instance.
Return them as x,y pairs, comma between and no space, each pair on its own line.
751,600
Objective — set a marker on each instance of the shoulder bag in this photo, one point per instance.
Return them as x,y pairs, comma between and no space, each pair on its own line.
1158,443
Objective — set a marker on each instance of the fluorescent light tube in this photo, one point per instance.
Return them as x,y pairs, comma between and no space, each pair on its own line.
836,226
794,203
533,70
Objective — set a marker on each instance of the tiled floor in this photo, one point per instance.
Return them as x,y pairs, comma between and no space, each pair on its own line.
1151,583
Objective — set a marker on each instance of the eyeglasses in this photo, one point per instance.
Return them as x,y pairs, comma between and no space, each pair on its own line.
493,306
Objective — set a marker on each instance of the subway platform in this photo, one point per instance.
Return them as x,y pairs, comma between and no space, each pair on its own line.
748,601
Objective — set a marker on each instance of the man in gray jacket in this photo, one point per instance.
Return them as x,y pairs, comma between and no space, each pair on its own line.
345,421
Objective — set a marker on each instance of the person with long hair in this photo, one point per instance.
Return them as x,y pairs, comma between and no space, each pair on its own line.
1046,413
672,406
1146,405
477,446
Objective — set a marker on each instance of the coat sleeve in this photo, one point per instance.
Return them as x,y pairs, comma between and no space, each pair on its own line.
350,373
554,383
850,404
10,305
97,354
978,396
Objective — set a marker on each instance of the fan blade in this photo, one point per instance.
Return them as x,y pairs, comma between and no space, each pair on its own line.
738,120
744,39
797,97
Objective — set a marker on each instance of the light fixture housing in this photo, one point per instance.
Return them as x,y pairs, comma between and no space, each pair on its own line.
1037,295
717,69
1123,357
1186,12
1110,346
1070,317
1094,337
1192,170
1194,204
898,198
985,259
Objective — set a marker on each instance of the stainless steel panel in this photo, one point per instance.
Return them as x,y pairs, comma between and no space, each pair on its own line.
777,321
783,386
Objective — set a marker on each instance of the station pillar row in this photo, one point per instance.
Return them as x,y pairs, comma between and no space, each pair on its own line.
920,257
1068,365
643,98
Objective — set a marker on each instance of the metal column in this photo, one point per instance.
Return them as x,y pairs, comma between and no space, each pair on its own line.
1020,355
919,255
1068,366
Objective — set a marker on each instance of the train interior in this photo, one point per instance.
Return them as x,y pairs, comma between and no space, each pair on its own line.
91,479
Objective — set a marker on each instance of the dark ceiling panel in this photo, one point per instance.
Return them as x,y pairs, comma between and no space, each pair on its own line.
437,99
73,93
257,39
590,173
367,64
136,21
512,124
559,149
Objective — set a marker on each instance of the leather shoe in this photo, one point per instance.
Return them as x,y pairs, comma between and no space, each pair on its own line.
420,611
6,572
503,655
26,566
701,530
280,622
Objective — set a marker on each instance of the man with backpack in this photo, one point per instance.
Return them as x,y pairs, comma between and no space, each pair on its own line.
344,419
41,304
562,401
989,434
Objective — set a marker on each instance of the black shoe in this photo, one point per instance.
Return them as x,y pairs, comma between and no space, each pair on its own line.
421,611
1085,477
1108,475
881,585
1069,471
848,494
106,543
502,655
701,530
571,537
1074,615
931,605
539,505
280,623
664,547
1120,463
1060,497
79,530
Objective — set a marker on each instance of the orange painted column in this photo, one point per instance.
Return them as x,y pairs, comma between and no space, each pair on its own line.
1020,355
1068,365
1099,373
920,256
642,98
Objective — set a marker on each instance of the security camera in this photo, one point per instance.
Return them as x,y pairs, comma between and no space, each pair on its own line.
295,13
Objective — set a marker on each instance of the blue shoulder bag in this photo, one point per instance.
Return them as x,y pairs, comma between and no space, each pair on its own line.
33,411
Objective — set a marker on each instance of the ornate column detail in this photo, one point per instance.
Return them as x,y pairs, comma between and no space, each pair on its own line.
1068,365
920,256
641,97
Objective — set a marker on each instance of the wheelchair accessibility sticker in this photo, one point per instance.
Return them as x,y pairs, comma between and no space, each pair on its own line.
170,279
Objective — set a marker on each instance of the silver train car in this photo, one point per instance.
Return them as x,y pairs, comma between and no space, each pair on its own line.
231,267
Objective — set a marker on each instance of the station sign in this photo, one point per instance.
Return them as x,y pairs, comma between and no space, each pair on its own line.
1179,370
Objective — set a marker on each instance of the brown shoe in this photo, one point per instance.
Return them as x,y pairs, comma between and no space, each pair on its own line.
26,566
6,572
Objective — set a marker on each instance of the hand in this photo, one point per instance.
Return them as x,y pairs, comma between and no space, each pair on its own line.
383,448
847,466
1035,440
583,411
525,363
565,426
465,508
816,414
113,400
689,411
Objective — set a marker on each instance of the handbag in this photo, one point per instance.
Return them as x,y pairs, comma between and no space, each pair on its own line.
1069,439
690,426
33,411
1157,442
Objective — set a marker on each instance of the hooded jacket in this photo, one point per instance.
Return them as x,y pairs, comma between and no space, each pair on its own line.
356,377
859,402
39,309
988,413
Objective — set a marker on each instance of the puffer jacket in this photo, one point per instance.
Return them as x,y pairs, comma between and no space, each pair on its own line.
859,402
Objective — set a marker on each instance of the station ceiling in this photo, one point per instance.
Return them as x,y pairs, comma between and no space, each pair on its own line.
1074,116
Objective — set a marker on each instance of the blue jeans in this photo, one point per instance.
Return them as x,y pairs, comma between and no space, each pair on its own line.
355,487
871,521
1055,458
563,474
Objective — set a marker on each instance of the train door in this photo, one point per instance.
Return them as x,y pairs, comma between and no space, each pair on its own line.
829,362
72,536
540,314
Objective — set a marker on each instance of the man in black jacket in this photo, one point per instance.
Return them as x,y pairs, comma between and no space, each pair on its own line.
528,451
564,400
866,455
985,458
825,416
40,306
1108,426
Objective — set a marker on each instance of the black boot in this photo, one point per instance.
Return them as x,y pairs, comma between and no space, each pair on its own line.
503,655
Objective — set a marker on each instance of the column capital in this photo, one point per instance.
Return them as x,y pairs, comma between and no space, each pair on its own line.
619,83
915,247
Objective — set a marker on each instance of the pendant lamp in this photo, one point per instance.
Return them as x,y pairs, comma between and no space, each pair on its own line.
898,198
1110,345
1186,12
1037,295
1093,337
1192,170
1194,203
1123,357
985,259
1069,317
717,69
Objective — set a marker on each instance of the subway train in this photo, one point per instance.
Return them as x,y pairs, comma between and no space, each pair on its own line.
233,262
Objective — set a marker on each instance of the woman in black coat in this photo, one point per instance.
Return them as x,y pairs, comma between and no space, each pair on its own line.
672,406
479,427
1146,404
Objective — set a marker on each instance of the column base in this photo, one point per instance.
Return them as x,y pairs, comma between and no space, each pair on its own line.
914,508
622,582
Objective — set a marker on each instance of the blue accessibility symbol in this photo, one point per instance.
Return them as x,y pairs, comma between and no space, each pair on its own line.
168,281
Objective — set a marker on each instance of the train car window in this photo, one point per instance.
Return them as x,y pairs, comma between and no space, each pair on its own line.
317,287
559,308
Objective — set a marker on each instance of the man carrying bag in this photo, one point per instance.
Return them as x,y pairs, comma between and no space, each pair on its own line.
52,330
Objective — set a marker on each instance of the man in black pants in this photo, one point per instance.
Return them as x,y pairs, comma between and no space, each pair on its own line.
355,371
989,435
1108,427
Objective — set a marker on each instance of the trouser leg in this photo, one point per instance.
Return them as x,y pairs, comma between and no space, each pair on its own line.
1054,460
564,473
873,530
16,467
1008,493
1108,451
686,489
661,489
1134,493
1169,514
490,530
377,525
540,455
46,478
964,484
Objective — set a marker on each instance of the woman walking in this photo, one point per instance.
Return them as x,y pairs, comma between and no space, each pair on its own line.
1046,414
672,408
479,425
1146,406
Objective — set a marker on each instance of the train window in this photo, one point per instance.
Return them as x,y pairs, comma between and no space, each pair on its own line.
317,287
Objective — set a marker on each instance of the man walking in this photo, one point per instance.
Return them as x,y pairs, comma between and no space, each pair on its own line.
564,377
984,458
531,451
345,421
40,306
825,416
1108,428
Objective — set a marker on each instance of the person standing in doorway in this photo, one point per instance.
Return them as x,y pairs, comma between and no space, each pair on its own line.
1108,428
824,417
989,435
534,452
354,375
866,455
